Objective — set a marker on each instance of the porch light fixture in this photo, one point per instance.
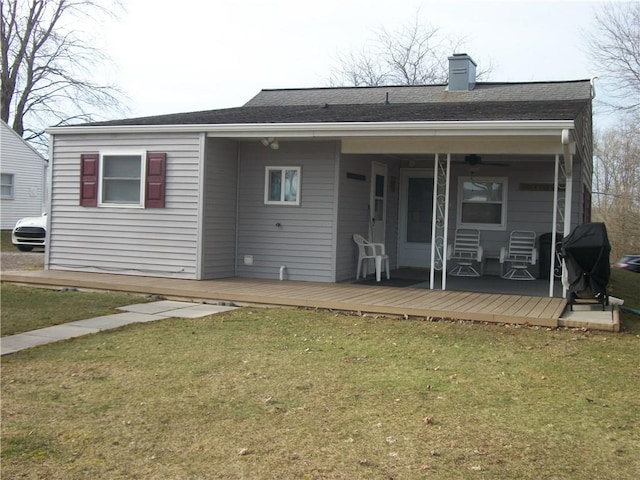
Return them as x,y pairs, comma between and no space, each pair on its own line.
271,143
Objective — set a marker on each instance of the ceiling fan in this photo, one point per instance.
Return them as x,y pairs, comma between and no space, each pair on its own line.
474,160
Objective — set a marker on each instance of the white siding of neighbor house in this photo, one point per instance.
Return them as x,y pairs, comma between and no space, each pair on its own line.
28,170
304,240
135,241
220,199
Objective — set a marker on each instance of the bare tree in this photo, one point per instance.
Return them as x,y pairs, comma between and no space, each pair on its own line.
414,54
49,64
614,45
616,196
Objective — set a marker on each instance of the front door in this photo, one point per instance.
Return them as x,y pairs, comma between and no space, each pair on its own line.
378,203
416,211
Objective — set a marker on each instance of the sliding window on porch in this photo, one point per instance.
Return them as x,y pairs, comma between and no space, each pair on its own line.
482,203
282,186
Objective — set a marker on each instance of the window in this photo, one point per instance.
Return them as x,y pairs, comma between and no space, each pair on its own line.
6,185
482,203
282,186
123,179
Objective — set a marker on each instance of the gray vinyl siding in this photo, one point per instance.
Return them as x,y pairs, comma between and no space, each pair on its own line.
353,213
220,199
584,143
134,241
298,237
27,167
584,163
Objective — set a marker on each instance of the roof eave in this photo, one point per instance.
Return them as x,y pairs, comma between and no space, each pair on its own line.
336,129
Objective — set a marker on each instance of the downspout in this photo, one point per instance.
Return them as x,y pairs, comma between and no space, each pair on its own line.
568,164
566,150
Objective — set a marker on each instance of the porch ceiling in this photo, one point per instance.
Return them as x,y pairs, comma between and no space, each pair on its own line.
490,144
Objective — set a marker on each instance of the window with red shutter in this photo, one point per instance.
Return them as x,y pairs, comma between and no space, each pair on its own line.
89,179
118,176
155,188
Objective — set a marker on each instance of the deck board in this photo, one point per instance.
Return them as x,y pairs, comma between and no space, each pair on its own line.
410,301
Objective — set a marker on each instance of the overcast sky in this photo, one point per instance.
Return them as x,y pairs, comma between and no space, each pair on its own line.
186,55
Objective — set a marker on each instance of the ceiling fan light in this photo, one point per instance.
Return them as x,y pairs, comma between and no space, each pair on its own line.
473,159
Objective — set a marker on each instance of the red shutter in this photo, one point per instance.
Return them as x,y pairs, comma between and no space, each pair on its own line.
156,163
89,179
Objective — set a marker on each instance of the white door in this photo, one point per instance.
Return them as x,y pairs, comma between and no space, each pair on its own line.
378,203
416,210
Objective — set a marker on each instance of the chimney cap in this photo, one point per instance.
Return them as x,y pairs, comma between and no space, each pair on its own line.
461,56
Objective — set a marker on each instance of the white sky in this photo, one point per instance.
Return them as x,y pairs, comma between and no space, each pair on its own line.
187,55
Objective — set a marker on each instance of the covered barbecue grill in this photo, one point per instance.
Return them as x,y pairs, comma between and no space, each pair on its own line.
586,255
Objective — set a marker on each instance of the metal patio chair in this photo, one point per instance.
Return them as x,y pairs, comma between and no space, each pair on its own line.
466,249
520,253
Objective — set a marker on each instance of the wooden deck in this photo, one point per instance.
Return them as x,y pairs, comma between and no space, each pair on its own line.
409,301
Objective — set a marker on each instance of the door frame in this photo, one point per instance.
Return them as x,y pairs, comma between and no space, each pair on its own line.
378,168
405,174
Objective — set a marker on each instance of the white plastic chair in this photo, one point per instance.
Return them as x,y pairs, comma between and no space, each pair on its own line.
370,251
520,254
466,249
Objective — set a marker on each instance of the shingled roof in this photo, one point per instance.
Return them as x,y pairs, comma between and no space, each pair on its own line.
487,102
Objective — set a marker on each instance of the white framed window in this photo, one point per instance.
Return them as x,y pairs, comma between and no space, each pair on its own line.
282,185
7,185
122,179
482,203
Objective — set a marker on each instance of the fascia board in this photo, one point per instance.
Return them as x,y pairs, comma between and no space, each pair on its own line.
344,129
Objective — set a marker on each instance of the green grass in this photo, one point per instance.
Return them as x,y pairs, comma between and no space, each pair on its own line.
27,308
626,285
271,393
5,241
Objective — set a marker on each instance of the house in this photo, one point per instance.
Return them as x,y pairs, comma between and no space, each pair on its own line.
22,178
276,188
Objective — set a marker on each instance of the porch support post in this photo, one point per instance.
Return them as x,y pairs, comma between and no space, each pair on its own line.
567,168
440,223
554,227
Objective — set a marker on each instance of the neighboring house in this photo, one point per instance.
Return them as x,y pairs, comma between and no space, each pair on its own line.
22,183
288,178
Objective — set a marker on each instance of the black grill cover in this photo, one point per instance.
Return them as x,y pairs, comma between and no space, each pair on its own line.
586,253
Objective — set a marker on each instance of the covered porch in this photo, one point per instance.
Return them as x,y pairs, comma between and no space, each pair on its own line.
513,181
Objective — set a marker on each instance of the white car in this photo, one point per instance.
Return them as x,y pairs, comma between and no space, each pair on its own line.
29,233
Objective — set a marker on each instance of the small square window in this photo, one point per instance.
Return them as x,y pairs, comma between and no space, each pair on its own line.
6,185
282,186
121,177
482,203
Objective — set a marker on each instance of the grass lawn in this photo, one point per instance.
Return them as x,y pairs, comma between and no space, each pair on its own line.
270,393
5,242
626,285
27,308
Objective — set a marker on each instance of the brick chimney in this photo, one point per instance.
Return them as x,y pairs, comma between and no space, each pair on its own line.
462,73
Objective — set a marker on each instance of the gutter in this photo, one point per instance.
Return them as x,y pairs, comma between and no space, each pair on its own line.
337,129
